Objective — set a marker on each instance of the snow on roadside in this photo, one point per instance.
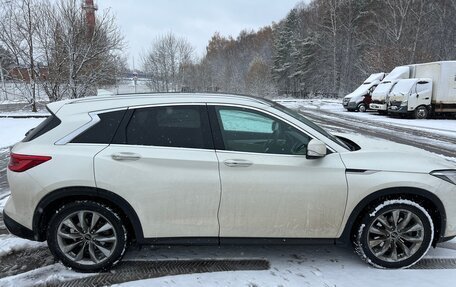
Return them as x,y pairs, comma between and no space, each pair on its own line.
13,130
10,243
292,266
44,276
445,127
3,201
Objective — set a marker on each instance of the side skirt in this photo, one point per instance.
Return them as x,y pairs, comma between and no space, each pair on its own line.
237,241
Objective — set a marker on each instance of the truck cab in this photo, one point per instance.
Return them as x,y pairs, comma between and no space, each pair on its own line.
412,96
380,95
360,99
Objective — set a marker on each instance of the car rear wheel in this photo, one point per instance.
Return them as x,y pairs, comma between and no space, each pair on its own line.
87,236
395,234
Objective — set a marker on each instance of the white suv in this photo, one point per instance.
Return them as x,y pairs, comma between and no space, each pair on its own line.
212,169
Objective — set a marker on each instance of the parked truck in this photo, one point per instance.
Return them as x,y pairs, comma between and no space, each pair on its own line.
431,89
360,99
381,93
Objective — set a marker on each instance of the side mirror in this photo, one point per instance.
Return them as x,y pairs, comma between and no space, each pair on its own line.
316,149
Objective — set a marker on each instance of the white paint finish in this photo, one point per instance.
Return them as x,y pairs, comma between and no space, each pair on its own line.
443,75
361,185
389,156
174,191
71,165
281,196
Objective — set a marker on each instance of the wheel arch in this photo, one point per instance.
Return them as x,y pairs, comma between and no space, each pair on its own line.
55,199
427,199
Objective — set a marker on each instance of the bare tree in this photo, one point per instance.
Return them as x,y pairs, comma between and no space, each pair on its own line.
88,54
17,34
165,63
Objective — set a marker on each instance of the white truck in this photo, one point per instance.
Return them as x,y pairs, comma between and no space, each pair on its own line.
431,89
381,93
360,99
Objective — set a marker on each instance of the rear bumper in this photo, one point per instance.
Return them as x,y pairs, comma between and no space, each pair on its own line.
17,229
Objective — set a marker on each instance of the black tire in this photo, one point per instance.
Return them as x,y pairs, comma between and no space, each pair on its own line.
362,108
421,113
366,238
105,215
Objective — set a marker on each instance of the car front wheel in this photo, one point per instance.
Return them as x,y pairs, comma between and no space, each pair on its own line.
87,236
394,234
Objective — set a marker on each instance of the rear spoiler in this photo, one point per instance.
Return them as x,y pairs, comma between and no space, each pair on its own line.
56,106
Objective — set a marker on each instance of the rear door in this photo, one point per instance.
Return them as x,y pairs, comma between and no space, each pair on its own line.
163,163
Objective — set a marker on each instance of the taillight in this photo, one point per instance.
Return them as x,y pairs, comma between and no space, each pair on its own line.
22,162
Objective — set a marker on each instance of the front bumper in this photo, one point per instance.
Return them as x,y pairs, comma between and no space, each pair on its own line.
351,106
17,229
378,107
397,108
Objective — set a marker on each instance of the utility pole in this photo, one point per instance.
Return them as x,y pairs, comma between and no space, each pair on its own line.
2,78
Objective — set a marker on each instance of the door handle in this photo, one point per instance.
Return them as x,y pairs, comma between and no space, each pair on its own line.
237,163
125,156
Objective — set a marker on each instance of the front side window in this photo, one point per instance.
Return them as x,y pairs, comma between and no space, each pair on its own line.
171,126
423,86
246,130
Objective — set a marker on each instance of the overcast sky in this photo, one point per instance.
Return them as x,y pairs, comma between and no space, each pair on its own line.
141,21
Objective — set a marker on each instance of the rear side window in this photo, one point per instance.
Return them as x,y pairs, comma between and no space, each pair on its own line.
103,131
48,124
172,126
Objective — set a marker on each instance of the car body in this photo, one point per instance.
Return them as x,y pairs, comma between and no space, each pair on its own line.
213,169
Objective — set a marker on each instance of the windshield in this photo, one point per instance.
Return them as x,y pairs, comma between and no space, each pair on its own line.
362,89
383,88
309,123
403,86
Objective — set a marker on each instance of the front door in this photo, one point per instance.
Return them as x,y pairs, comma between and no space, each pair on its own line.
269,188
162,161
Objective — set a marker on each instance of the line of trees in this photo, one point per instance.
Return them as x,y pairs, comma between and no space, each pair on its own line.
324,47
332,45
51,44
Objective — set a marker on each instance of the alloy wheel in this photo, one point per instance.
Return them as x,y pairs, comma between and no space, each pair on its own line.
86,237
395,235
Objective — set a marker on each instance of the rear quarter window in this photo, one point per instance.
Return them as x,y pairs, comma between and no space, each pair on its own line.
103,131
48,124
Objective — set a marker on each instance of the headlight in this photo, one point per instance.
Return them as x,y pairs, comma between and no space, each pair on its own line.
404,103
447,175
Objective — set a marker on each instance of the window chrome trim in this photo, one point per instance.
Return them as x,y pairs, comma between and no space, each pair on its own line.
275,117
94,119
167,105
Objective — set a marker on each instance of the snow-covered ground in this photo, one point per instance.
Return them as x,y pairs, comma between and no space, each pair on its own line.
290,265
13,130
313,265
439,126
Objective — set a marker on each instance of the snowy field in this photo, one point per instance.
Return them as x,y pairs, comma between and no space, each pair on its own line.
313,265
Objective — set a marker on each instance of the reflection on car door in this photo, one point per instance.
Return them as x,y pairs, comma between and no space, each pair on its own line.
163,163
269,188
